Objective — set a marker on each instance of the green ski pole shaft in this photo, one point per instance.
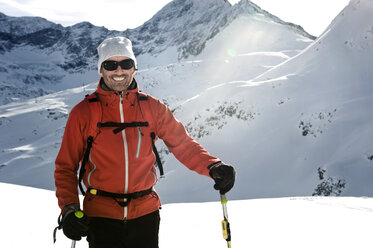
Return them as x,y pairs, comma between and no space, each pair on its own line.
225,222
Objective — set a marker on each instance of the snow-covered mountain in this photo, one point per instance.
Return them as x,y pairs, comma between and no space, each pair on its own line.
39,57
274,112
311,111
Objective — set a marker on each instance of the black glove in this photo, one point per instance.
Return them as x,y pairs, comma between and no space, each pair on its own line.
223,176
74,224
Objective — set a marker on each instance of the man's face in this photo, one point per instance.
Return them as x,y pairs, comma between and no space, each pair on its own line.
119,79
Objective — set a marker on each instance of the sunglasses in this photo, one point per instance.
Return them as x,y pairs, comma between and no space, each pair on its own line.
111,65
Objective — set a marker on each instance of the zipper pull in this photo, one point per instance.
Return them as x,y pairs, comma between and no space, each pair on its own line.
121,97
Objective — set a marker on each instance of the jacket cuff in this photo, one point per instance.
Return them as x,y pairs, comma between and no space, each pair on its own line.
213,165
71,207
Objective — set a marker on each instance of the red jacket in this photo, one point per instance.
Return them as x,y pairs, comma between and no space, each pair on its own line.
122,162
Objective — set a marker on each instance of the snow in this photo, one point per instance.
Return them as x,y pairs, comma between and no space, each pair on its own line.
29,216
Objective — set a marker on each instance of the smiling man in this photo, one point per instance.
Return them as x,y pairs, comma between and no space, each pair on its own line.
110,136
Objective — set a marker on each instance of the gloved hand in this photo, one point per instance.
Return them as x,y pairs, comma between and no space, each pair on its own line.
223,175
74,224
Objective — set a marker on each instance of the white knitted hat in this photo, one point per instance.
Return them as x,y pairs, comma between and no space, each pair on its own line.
115,46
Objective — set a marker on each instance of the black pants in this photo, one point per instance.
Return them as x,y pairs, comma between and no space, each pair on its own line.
137,233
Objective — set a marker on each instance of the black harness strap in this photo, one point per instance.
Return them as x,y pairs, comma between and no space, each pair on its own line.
122,125
87,151
157,158
125,197
141,98
85,159
94,99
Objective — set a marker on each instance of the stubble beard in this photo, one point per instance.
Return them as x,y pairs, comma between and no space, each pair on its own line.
121,85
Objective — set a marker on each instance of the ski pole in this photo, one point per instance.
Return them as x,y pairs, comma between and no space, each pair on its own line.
73,242
225,222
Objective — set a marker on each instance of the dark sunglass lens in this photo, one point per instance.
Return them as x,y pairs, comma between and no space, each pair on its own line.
110,65
126,64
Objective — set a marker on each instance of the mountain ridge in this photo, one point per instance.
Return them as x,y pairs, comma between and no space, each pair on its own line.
185,13
66,56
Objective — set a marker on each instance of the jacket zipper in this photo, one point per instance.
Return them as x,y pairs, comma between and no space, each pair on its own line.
138,142
125,152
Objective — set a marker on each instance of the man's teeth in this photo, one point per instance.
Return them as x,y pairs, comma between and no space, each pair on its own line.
118,78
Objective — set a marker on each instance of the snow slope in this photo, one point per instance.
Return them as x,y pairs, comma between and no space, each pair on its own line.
283,222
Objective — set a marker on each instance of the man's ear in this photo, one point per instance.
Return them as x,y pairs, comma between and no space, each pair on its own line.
101,71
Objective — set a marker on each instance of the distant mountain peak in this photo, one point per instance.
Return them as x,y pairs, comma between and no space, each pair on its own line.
199,2
23,25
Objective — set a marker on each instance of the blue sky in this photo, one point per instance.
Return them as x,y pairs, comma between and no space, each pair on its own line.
314,16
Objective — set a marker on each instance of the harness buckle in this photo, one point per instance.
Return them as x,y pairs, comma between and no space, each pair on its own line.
93,191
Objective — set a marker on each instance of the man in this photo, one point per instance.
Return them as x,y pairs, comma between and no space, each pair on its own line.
121,208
